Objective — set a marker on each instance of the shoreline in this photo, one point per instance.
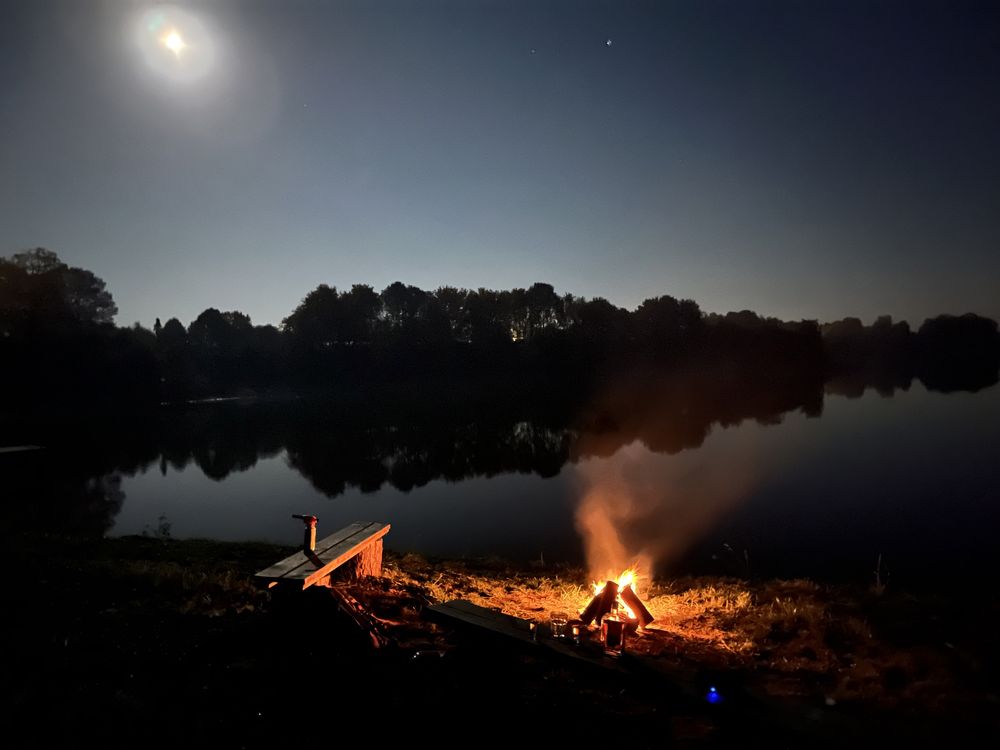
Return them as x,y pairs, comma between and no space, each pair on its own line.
117,619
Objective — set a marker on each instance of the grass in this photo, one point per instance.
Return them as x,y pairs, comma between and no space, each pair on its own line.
881,652
833,645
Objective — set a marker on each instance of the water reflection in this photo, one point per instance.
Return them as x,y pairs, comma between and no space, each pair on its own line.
510,479
52,493
338,449
369,446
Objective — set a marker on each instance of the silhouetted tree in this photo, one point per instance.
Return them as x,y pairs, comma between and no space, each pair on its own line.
488,323
600,319
87,297
49,292
217,332
958,352
544,308
37,261
402,305
317,320
666,322
57,336
172,336
360,310
453,304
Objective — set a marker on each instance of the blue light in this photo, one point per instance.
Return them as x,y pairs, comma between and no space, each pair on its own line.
713,695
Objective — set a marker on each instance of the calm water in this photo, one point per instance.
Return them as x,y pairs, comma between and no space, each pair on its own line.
913,478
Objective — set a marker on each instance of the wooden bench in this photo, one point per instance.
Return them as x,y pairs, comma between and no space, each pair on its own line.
359,545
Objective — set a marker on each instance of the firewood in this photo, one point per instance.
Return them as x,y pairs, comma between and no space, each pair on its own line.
635,604
590,611
602,603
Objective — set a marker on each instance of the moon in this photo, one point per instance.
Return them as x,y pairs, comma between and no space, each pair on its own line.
174,43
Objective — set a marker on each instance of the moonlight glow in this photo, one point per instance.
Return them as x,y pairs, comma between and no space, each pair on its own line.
174,43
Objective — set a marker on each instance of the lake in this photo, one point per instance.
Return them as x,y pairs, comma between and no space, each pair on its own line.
821,486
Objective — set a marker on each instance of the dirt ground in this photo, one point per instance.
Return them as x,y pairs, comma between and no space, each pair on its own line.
162,642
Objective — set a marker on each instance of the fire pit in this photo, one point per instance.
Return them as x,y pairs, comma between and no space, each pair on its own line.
617,610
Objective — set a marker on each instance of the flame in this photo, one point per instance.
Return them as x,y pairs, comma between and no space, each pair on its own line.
627,577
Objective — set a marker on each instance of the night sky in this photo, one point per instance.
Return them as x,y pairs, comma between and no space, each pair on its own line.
801,159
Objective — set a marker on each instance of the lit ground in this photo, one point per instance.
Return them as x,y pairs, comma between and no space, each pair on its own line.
791,638
174,634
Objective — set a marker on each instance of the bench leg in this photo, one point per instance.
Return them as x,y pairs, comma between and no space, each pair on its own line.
368,562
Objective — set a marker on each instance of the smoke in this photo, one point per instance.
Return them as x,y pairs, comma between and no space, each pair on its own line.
649,508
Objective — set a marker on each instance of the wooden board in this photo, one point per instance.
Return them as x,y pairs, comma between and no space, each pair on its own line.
304,569
464,613
292,562
467,613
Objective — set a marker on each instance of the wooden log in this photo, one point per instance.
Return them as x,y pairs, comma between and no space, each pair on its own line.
601,604
635,604
590,611
368,562
608,600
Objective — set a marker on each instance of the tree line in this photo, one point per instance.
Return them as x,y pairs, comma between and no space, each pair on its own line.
59,343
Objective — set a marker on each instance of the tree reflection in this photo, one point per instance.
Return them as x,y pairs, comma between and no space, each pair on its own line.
368,445
403,442
48,495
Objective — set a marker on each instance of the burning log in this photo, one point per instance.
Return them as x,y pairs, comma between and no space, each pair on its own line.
635,604
601,604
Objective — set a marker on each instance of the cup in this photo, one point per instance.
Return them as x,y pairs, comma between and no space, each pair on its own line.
558,621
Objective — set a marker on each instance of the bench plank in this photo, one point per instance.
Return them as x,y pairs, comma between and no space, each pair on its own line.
290,563
464,612
304,570
471,614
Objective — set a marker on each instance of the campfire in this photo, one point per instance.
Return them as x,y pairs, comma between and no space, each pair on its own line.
616,599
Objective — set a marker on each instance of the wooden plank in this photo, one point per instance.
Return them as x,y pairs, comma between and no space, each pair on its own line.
298,559
309,567
463,612
306,569
340,553
491,615
492,621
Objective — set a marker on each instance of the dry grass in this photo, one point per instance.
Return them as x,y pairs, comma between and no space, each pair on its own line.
845,645
694,610
193,590
793,637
